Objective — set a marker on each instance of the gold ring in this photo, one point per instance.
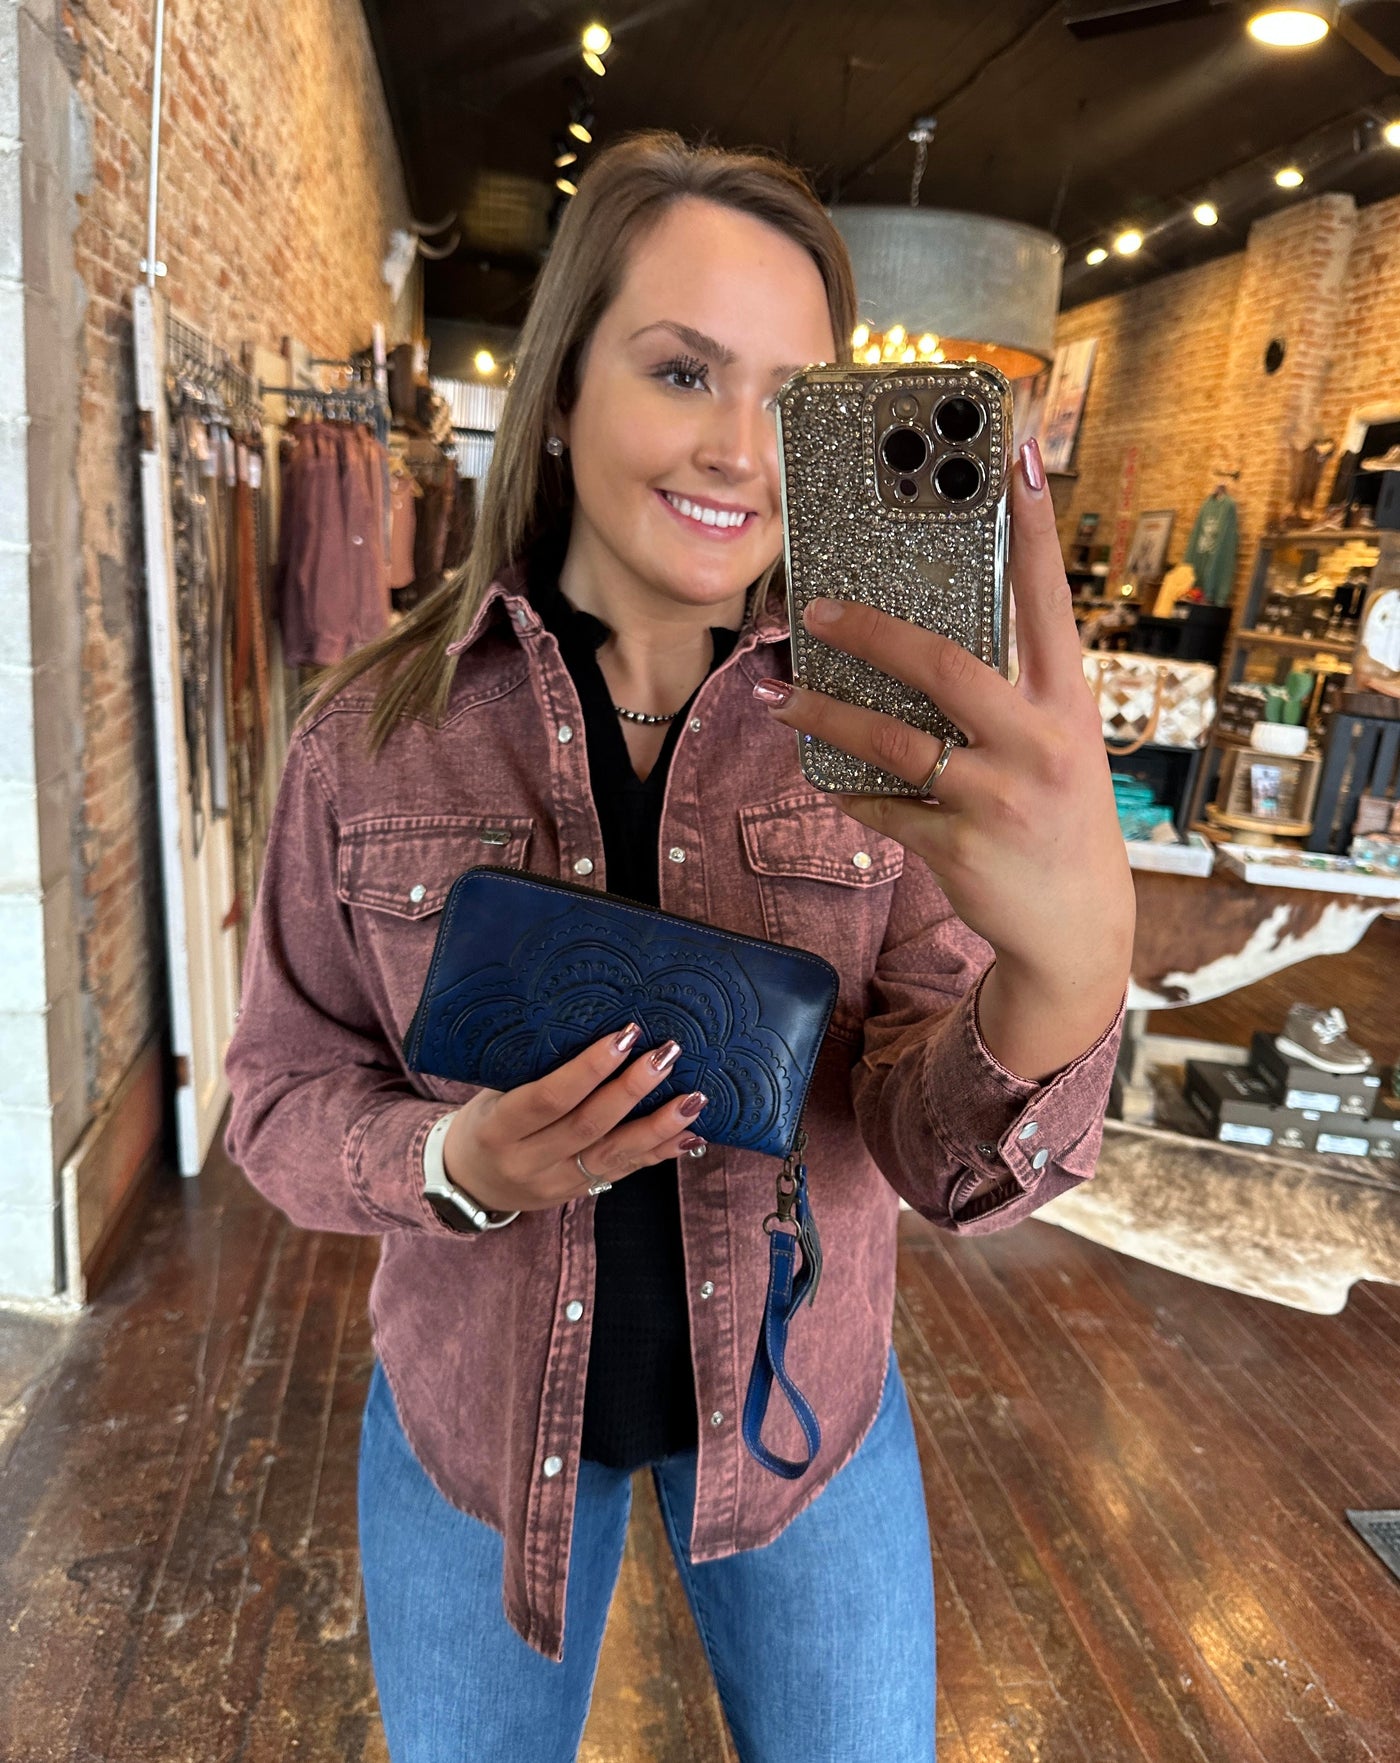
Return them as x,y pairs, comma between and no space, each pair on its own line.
937,771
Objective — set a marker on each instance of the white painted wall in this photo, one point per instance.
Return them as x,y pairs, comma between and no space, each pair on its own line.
42,1104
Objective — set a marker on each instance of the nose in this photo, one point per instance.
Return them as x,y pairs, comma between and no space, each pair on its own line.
738,440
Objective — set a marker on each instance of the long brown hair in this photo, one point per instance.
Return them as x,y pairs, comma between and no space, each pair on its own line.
528,496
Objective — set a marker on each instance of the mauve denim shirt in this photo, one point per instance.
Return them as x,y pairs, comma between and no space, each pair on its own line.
482,1337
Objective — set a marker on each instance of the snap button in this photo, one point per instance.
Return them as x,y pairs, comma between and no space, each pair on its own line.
566,734
1040,1159
573,1310
552,1465
356,539
717,1419
520,616
584,866
676,854
695,725
1029,1130
861,860
417,892
986,1150
708,1289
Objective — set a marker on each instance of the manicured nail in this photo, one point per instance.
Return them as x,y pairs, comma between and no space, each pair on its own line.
626,1039
822,612
692,1104
692,1144
772,691
664,1057
1033,466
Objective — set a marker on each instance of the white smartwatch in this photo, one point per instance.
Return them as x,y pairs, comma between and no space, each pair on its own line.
456,1209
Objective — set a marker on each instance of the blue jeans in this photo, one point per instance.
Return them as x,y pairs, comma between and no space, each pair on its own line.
821,1643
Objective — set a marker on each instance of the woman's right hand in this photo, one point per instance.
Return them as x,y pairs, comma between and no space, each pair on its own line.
514,1150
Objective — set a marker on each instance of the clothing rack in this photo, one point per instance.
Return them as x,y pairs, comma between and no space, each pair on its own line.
355,403
203,374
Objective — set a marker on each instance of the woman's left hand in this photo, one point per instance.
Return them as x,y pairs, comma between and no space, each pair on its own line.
1023,835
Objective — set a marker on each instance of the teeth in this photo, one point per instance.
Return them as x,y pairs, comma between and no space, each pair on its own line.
704,516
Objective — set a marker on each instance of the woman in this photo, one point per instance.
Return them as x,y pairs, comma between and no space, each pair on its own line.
605,696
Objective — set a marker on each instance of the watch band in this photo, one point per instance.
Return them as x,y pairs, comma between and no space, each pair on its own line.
453,1206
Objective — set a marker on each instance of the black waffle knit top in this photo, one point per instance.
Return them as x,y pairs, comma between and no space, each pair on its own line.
639,1403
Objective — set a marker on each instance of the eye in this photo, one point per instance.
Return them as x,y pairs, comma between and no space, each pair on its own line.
682,369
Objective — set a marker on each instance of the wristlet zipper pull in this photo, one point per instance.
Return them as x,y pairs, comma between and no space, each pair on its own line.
795,1209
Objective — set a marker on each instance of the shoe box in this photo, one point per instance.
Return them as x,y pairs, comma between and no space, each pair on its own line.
1296,1084
1240,1106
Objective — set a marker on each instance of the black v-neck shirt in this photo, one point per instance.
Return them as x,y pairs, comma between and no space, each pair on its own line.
639,1402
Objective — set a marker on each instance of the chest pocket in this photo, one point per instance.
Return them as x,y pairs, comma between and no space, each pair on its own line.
825,884
404,864
394,872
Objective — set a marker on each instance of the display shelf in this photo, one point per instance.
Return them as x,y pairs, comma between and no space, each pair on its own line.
1251,823
1325,645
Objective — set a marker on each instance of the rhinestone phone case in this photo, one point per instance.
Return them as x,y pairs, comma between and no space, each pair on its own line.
848,535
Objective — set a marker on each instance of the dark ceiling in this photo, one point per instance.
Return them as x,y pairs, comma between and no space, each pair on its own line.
1033,123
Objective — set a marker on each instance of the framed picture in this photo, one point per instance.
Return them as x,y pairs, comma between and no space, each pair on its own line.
1064,402
1147,554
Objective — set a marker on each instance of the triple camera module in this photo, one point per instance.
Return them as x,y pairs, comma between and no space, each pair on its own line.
926,449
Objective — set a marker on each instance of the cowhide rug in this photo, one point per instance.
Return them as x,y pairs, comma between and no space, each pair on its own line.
1300,1231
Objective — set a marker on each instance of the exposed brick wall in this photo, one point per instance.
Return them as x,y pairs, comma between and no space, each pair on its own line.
1179,371
280,183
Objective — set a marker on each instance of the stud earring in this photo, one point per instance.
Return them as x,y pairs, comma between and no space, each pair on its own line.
554,447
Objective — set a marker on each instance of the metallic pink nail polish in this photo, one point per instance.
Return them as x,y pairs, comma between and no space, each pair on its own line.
626,1039
772,691
1033,465
692,1105
664,1057
691,1143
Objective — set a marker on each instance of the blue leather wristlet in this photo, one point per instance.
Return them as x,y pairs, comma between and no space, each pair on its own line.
528,971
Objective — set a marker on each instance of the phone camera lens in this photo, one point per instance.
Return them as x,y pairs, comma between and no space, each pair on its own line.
906,489
958,420
904,450
905,406
958,478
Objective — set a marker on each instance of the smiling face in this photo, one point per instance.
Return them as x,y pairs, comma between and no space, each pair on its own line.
672,437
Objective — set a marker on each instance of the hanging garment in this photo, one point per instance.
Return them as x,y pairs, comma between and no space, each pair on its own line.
403,520
333,575
1211,548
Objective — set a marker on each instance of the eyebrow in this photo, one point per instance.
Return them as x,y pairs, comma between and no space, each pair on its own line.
703,345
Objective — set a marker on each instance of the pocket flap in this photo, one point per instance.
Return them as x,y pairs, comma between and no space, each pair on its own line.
808,835
406,863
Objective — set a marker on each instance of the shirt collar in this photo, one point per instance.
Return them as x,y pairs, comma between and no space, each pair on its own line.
512,589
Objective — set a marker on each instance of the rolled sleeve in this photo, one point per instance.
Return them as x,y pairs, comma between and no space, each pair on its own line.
970,1145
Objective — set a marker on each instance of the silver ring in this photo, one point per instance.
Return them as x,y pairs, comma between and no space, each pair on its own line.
594,1185
937,771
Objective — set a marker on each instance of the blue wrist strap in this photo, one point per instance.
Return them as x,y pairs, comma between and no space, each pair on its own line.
794,1267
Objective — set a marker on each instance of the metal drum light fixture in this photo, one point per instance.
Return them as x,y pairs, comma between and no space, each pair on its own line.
933,284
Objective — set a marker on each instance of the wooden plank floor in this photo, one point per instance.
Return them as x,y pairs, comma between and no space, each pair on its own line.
1135,1484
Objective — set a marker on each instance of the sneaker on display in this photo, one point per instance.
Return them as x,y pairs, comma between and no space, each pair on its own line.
1320,1038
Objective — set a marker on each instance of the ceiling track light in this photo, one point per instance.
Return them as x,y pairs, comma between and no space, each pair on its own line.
1096,255
1205,214
1390,134
567,186
1128,243
1297,25
1288,177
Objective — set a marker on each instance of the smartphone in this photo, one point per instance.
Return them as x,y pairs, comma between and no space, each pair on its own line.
895,483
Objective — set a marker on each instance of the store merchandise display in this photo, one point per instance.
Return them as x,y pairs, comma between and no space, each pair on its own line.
1287,1099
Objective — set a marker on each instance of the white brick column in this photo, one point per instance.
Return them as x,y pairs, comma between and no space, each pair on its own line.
42,1102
